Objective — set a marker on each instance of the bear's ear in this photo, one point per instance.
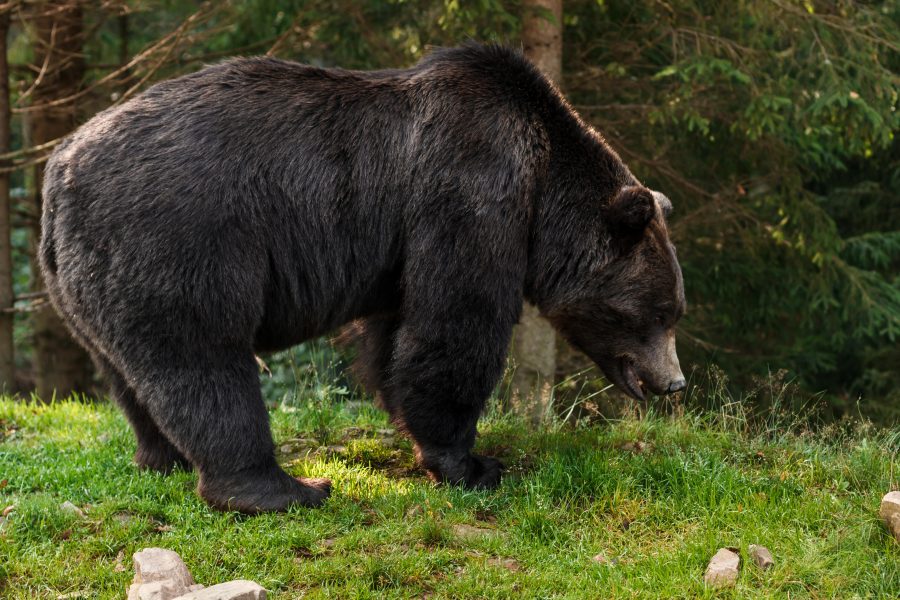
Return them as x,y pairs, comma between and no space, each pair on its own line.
665,204
632,209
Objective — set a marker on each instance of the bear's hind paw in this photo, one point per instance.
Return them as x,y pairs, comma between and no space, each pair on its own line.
271,490
163,458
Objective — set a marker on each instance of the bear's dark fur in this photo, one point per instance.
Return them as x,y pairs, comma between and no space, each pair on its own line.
258,203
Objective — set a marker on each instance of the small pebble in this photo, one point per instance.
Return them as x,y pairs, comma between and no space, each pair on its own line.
723,568
471,532
761,556
890,513
510,564
68,507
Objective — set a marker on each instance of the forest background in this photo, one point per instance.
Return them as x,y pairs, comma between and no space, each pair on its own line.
771,124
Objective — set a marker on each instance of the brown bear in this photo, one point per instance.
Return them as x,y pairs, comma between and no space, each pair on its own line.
258,203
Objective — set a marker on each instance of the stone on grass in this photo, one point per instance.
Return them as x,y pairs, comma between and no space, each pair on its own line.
68,507
470,532
159,564
154,590
233,590
761,556
638,447
723,568
890,513
120,562
602,559
510,564
161,575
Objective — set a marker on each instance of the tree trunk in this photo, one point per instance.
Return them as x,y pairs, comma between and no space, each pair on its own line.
61,366
542,36
7,362
533,348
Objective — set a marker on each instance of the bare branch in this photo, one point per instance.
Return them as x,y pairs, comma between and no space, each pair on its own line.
40,78
168,43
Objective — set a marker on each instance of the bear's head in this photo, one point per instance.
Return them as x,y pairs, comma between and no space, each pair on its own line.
624,293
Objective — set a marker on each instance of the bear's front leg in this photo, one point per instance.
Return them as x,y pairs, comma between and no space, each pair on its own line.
444,433
436,389
460,466
463,284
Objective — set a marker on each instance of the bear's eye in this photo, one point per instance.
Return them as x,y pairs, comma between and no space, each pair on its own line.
661,320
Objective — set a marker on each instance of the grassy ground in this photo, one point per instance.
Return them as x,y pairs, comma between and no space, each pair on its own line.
657,496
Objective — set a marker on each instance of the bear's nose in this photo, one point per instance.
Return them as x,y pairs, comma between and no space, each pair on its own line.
676,386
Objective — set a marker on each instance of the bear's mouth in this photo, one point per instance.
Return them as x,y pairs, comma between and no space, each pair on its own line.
633,385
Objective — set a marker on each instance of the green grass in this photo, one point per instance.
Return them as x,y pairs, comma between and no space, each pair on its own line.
660,509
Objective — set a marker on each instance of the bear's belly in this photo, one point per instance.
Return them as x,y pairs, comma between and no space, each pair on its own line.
274,337
291,318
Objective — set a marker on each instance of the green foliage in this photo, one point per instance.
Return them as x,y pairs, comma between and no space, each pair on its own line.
306,380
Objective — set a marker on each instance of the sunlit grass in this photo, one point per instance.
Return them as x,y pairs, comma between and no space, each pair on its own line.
656,495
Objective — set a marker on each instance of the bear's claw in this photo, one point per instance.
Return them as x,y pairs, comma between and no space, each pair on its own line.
485,473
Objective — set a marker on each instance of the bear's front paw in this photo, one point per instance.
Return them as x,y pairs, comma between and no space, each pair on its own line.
468,470
484,472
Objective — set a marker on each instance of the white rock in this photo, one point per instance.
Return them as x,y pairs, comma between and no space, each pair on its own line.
233,590
890,513
154,590
68,507
723,568
159,590
761,556
159,574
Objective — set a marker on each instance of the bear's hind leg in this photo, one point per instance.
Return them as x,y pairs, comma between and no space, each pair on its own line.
209,404
373,340
154,450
